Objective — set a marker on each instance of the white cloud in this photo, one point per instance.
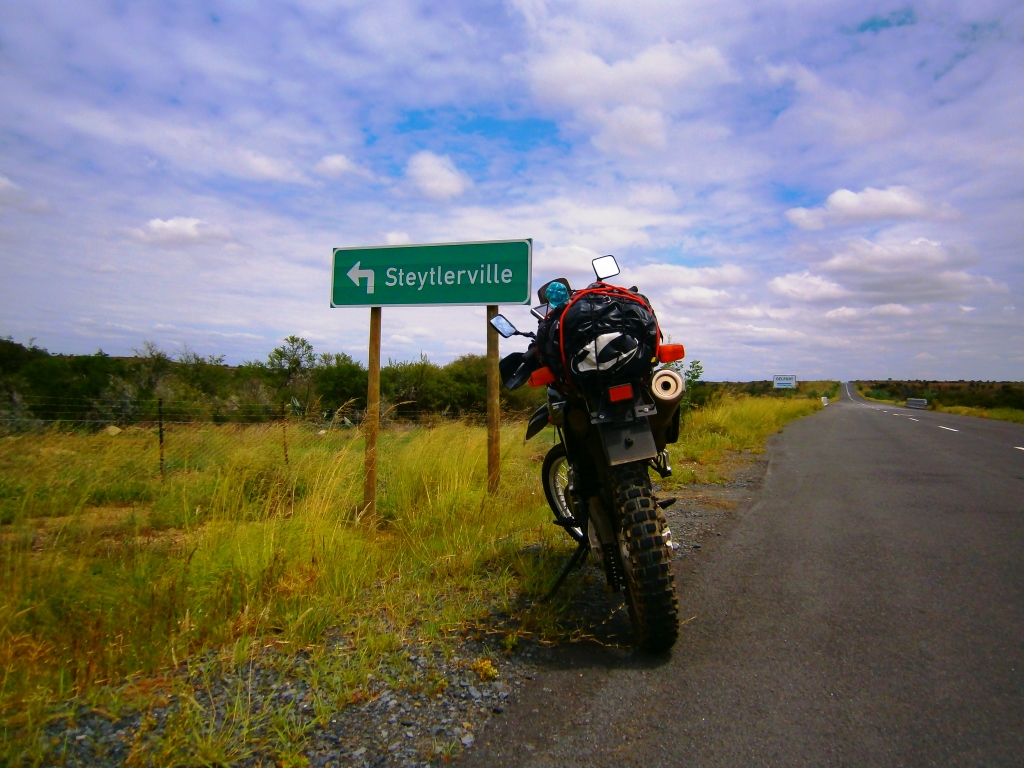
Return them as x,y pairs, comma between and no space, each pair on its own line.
652,78
671,275
759,333
698,296
914,272
436,175
13,196
179,230
652,195
336,166
842,313
630,130
397,238
842,117
803,286
627,105
891,310
866,256
845,207
259,166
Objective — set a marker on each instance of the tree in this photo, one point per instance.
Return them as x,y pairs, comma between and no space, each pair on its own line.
338,379
293,357
691,375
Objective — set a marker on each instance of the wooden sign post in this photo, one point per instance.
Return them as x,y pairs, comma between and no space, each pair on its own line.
371,422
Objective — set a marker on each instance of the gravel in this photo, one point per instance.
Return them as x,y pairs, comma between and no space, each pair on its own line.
393,725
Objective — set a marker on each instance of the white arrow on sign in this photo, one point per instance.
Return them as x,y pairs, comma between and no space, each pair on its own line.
355,273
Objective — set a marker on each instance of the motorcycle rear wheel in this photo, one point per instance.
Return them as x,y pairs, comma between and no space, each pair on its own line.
557,475
650,585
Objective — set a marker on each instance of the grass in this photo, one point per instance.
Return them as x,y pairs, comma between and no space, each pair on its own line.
1000,414
113,577
1015,415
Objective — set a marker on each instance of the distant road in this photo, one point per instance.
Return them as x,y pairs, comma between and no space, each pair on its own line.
868,610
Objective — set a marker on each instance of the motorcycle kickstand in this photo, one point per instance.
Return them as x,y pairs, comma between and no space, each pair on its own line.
576,559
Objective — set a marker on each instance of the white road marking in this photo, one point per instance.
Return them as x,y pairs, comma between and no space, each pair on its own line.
949,428
1019,448
911,418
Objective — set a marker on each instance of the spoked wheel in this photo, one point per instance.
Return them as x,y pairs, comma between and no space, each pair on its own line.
557,473
650,586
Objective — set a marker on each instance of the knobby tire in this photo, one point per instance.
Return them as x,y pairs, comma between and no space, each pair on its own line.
650,585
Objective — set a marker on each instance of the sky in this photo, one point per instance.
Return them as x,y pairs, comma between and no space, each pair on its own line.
826,189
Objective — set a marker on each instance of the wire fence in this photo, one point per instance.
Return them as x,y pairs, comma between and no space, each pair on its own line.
116,456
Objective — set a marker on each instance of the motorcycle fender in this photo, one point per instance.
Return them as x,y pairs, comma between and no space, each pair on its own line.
538,421
632,441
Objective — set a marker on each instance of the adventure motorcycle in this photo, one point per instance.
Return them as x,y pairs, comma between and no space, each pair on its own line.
598,351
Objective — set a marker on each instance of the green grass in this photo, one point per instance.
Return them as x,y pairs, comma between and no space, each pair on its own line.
730,425
1000,414
113,576
1015,415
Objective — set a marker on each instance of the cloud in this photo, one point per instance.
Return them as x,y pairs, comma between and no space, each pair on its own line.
628,105
658,195
668,276
803,286
846,207
698,296
13,196
830,114
653,78
397,238
842,313
630,130
180,230
867,257
914,272
436,175
258,166
891,310
336,166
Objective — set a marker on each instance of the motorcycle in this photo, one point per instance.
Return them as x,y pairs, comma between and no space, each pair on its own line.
614,409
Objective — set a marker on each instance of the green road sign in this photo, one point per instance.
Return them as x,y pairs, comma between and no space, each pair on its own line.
496,272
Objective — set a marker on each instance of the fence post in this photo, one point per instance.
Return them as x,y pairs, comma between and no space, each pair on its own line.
160,421
284,438
493,405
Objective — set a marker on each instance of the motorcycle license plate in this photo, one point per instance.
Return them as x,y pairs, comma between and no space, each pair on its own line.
632,441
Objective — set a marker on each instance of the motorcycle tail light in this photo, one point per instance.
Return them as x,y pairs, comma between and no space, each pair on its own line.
541,376
669,353
621,392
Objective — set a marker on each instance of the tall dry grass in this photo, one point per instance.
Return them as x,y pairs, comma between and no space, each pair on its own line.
109,571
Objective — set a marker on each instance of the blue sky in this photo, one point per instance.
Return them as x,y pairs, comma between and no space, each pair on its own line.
827,189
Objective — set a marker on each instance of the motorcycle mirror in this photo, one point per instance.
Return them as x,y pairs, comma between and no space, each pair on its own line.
605,267
501,324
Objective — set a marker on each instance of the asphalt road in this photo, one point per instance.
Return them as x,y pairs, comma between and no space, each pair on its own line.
867,610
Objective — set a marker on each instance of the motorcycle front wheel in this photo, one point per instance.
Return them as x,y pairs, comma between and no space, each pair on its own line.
557,475
650,585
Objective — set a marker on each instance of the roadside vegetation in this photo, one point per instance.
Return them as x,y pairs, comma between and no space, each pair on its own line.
294,380
115,579
1001,400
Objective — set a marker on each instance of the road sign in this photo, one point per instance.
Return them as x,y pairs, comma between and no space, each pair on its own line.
495,272
785,381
